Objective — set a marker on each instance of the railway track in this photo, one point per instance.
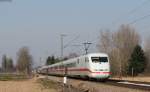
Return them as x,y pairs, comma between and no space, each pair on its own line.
130,84
143,86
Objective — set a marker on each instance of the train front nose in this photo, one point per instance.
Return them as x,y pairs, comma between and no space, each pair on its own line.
100,75
100,71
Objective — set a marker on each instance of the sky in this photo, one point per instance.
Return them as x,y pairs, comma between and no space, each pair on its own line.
38,24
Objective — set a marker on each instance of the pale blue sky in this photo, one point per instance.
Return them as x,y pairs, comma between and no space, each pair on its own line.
39,23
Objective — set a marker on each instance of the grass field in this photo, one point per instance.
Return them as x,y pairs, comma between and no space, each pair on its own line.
8,77
141,79
29,85
48,84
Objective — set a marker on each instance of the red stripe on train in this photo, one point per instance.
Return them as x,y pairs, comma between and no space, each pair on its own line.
101,72
82,69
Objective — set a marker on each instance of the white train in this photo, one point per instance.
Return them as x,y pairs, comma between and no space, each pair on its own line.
94,65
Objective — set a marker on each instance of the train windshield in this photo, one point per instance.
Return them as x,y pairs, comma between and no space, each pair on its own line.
99,59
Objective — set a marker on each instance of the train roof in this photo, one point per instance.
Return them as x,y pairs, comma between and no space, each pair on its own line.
97,54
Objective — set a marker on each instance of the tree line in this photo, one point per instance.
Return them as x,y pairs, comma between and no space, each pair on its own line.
23,64
127,54
52,59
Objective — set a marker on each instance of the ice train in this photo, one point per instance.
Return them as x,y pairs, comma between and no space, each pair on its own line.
93,65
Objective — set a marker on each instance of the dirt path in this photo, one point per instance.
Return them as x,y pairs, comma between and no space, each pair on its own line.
23,86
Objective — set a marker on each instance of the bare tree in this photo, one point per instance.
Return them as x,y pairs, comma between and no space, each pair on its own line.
24,62
10,66
105,43
125,39
119,46
147,52
4,63
7,64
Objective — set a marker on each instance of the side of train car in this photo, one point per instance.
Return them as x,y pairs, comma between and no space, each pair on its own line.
94,65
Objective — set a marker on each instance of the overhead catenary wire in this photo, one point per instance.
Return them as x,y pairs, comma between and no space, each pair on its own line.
71,41
130,12
139,19
138,7
86,46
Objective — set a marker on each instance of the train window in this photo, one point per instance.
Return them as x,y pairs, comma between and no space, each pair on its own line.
78,61
60,66
71,65
99,59
103,59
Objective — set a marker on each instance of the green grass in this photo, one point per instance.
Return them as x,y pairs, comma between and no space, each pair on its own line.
12,77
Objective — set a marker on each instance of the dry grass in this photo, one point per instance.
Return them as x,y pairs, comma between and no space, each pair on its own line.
29,85
12,77
141,79
60,87
47,84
